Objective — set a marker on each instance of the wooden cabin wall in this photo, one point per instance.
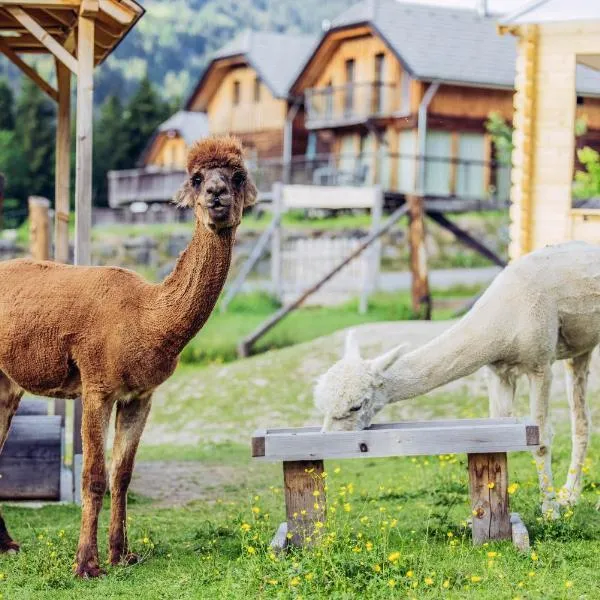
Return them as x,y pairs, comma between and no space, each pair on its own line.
247,116
168,153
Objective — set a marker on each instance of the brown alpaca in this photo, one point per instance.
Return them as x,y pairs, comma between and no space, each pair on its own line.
106,334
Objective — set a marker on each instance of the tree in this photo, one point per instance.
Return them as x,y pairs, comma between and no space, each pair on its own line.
145,112
35,138
110,146
587,183
7,109
501,133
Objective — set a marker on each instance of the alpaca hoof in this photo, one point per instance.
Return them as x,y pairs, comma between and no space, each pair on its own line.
125,560
10,548
89,570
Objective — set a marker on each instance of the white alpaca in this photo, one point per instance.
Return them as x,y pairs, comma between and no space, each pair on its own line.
541,308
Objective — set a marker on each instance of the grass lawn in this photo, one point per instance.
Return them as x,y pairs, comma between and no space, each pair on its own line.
218,339
395,527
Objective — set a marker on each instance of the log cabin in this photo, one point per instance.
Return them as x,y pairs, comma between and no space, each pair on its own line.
243,91
391,82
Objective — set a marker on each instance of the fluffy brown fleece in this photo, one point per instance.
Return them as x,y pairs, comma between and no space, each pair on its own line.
106,334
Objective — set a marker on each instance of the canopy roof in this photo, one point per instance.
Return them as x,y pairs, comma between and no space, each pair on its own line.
39,26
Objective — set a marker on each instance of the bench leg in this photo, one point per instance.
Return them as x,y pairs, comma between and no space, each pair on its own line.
488,487
305,503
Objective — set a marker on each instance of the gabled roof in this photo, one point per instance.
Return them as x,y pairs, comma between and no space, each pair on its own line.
191,126
548,11
276,57
452,45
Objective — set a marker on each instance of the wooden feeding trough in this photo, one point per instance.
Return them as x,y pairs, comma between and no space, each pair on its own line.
485,441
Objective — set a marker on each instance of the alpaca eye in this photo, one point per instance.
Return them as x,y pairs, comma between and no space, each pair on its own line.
238,179
356,408
196,180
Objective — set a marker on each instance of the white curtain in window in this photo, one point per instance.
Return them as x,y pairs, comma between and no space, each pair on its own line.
438,147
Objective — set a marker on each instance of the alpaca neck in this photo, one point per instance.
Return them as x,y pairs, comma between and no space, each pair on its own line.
459,351
188,295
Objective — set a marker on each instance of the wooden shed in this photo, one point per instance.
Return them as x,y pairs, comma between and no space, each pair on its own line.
558,45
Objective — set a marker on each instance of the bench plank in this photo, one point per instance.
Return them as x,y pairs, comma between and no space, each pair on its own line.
471,436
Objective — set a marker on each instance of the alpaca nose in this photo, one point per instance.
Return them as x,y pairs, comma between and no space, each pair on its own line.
215,189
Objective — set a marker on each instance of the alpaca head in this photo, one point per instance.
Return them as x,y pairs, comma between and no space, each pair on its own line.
352,392
218,187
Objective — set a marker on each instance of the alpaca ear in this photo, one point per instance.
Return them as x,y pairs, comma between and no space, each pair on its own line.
250,192
385,361
184,196
351,347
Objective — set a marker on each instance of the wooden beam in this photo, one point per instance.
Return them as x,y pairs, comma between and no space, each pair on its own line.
117,11
29,71
89,8
39,228
50,4
466,238
421,298
488,487
407,438
63,164
83,174
44,38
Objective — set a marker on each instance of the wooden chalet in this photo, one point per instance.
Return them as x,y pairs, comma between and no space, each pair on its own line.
402,92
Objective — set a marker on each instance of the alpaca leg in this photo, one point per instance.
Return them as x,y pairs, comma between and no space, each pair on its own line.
576,371
501,390
95,418
539,398
130,422
10,394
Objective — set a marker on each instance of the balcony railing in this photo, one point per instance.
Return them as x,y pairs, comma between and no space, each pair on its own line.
351,103
143,185
434,177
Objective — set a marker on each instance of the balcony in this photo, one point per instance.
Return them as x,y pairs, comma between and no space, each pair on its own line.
351,104
446,182
143,185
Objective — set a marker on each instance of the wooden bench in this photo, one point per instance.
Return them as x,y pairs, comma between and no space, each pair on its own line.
485,441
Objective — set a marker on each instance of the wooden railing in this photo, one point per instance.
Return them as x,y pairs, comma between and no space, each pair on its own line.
142,185
351,103
396,172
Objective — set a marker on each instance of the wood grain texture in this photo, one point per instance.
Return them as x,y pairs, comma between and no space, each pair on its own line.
305,501
400,439
488,487
421,298
39,228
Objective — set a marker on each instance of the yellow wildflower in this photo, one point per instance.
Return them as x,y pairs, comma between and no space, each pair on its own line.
394,556
409,573
251,550
272,581
446,584
369,546
336,470
309,576
568,584
245,527
294,581
316,493
347,507
475,578
492,554
534,556
255,510
491,485
392,583
428,581
377,568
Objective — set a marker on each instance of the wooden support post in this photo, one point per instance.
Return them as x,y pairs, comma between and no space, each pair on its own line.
421,298
305,501
488,487
39,228
63,165
83,175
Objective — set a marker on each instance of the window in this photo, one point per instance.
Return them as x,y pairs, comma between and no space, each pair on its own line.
257,89
236,92
349,90
378,84
405,93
